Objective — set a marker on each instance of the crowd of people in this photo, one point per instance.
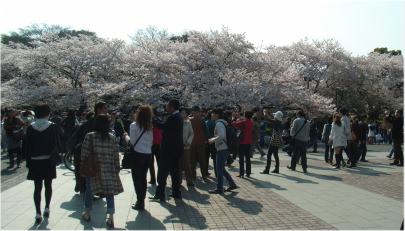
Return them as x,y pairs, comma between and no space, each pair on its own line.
178,140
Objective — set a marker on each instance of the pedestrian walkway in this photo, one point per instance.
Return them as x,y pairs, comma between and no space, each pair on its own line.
368,197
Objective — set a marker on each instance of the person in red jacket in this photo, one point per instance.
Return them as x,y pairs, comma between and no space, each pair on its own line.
157,140
246,126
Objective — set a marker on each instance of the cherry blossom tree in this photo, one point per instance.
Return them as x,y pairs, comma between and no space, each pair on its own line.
215,68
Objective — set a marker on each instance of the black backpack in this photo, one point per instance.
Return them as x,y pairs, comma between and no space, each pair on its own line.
231,136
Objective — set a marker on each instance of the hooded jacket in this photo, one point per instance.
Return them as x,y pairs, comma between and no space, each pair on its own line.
41,142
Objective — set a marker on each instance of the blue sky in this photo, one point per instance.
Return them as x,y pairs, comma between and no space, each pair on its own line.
359,25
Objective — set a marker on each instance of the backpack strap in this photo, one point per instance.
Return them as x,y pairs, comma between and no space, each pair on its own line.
300,128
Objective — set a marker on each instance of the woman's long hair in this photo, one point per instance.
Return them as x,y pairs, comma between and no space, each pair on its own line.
144,117
337,119
102,126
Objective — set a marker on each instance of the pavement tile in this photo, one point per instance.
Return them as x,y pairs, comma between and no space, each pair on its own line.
323,199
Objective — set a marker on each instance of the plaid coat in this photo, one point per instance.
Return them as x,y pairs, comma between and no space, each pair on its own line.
107,181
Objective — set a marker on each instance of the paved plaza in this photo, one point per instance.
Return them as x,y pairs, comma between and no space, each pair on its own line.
367,197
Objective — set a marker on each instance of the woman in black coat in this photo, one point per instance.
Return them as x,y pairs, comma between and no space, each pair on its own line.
42,149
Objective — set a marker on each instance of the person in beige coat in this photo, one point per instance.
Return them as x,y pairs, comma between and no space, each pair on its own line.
106,182
188,135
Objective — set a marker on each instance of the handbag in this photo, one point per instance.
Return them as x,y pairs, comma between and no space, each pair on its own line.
292,141
91,166
128,159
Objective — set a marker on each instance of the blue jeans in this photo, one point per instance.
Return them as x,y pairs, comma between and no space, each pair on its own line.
88,199
221,171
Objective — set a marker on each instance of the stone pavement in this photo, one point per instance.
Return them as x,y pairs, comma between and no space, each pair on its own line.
11,177
369,197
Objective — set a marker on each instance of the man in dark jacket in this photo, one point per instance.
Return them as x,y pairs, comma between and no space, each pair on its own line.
356,137
171,151
363,139
398,138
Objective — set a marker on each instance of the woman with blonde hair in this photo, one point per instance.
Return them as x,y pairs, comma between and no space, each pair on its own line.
141,139
338,138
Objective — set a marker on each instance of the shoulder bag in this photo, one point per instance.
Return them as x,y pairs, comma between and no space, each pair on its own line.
128,159
292,141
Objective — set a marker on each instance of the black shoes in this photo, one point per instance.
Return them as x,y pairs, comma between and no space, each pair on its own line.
46,213
266,171
139,205
86,216
240,176
38,219
394,163
215,191
352,165
275,171
230,188
305,171
289,167
363,160
110,222
77,188
158,198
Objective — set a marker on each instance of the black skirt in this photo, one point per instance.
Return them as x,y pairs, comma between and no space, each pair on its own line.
41,170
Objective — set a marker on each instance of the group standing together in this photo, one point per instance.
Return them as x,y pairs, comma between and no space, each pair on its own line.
177,141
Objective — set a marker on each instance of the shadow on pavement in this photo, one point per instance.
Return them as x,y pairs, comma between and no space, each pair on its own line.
193,195
327,168
256,162
145,221
247,206
98,214
264,184
324,177
184,212
376,165
366,171
296,179
8,171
